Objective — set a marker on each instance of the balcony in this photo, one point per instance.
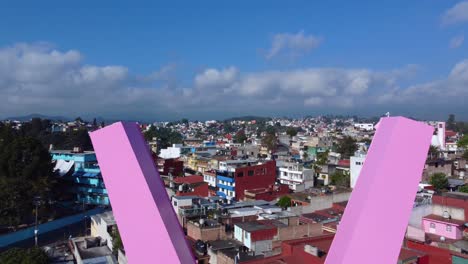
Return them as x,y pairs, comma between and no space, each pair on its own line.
227,174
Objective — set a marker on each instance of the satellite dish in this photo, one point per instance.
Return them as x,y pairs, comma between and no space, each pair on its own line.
446,215
202,221
442,238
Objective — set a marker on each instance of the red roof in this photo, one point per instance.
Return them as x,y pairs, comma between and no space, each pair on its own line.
450,133
344,163
189,179
439,218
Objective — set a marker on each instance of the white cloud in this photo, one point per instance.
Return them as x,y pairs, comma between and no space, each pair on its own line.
292,45
39,78
457,41
456,14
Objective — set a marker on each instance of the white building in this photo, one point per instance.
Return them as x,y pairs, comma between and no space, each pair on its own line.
364,126
243,233
102,226
356,163
171,152
438,139
296,176
210,178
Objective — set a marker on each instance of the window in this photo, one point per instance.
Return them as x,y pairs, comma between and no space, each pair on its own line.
251,173
246,235
240,174
432,225
175,203
449,228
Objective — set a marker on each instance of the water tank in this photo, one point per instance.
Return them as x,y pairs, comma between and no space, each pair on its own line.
202,221
181,188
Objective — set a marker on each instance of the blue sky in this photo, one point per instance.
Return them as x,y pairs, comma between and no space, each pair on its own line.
256,57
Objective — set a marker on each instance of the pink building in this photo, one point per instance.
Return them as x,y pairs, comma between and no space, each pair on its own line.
446,227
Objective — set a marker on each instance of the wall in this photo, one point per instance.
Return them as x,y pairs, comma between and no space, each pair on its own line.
458,208
321,202
263,176
28,233
356,164
441,229
454,212
223,259
206,233
299,231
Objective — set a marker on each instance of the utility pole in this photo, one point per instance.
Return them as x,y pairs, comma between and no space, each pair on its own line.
36,202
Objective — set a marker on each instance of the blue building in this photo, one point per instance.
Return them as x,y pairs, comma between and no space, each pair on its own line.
81,171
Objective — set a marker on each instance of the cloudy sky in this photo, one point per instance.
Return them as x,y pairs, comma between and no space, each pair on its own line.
207,60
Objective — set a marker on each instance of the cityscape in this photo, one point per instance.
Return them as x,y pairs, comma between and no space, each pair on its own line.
244,189
258,116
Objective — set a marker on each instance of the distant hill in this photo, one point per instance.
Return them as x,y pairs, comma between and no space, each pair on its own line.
31,116
248,118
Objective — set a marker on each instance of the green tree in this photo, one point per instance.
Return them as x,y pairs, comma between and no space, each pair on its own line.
165,136
451,122
270,142
116,241
322,158
240,137
284,202
463,142
433,152
340,179
439,181
291,132
184,121
24,256
25,172
463,188
346,147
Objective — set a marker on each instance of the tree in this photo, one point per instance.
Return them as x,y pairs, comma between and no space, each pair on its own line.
165,136
94,122
340,179
463,188
433,152
25,172
451,122
184,121
305,155
346,147
439,181
291,131
284,202
24,256
270,142
463,142
116,241
322,158
240,136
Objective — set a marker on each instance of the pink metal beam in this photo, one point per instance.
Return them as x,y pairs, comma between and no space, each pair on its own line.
375,219
147,223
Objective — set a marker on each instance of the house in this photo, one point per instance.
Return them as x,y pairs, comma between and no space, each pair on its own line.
191,186
82,173
234,177
296,176
443,226
356,164
268,194
171,166
255,235
91,250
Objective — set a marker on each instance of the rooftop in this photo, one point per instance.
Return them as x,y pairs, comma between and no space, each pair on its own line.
439,218
253,226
